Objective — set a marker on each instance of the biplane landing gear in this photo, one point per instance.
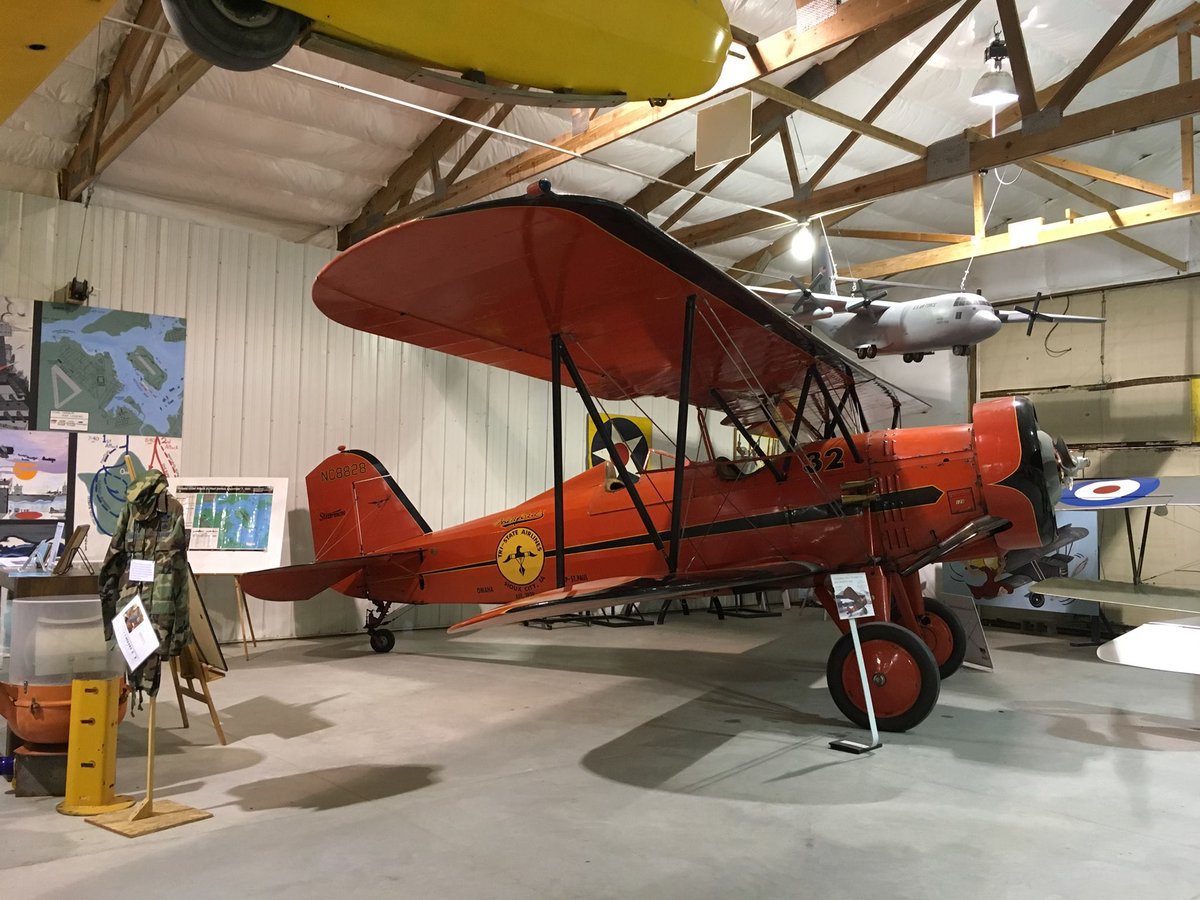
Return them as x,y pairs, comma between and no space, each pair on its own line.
382,640
945,636
903,674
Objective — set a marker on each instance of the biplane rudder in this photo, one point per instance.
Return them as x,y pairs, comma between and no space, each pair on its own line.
357,508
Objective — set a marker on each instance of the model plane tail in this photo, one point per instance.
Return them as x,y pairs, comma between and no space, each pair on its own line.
357,508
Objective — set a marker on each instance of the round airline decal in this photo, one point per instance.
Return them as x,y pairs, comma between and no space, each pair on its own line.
519,556
1108,491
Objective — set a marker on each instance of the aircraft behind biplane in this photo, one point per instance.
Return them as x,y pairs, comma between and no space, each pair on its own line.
871,325
548,284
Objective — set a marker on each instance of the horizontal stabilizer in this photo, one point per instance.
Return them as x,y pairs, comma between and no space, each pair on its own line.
348,576
1165,646
1142,596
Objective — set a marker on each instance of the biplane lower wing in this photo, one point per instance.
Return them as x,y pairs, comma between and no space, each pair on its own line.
497,282
348,576
618,591
1139,596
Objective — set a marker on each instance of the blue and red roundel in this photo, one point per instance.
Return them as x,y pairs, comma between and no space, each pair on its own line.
1108,491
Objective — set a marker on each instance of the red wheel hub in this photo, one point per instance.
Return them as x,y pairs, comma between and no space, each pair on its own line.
894,676
937,636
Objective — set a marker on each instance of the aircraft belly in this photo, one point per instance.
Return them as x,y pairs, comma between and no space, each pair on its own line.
851,330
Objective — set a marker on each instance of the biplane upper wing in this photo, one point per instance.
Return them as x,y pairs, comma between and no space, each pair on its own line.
494,281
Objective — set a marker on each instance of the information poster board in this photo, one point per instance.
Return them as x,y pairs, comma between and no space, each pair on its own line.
235,523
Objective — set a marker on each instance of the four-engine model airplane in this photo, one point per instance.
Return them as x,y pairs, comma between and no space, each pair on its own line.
584,53
546,283
870,325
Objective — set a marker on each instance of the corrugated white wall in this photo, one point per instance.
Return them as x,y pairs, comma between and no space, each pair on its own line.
272,386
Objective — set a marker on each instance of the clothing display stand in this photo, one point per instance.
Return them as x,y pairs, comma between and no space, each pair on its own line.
150,816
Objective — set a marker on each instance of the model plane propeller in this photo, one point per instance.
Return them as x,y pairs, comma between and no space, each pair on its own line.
837,497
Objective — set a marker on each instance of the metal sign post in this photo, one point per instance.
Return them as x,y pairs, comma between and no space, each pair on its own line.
854,601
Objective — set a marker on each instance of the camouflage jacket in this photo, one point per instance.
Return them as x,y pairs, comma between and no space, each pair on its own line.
150,527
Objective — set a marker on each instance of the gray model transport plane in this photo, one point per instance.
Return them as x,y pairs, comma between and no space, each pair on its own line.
869,324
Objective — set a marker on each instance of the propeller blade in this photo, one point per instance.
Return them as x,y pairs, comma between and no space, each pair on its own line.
1033,316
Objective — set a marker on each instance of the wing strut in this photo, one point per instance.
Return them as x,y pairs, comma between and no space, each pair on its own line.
835,412
681,429
560,550
745,433
623,472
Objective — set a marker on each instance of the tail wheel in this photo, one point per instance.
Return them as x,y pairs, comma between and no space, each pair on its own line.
241,35
945,636
900,668
382,640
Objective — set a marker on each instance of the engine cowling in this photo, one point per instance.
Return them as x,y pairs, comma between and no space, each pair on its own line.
1022,479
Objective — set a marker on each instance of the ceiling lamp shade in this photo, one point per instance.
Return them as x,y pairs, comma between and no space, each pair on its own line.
994,88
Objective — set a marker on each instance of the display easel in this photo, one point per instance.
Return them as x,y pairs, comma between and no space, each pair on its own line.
188,666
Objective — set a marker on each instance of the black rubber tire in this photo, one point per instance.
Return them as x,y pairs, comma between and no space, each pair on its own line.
240,35
930,681
382,640
958,636
1037,601
872,352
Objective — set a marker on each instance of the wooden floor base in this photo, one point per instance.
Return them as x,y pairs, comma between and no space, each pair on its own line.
166,814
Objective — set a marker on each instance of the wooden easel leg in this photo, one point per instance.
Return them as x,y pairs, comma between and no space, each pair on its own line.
178,690
243,612
212,710
145,809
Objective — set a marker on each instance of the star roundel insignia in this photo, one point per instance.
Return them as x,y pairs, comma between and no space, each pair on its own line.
1108,491
622,431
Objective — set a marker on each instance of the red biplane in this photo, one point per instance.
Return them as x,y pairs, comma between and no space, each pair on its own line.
546,283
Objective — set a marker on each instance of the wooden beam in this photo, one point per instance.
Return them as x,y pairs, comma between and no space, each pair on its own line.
1010,24
853,18
829,114
959,157
404,179
714,182
1154,36
920,237
760,259
1187,125
110,90
977,203
1137,184
1084,72
476,145
789,160
1064,183
894,90
1055,232
157,99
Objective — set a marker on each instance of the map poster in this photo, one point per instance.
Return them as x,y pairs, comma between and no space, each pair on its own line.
236,523
124,370
34,468
17,404
102,479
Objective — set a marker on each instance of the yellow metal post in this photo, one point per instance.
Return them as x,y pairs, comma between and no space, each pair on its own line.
92,749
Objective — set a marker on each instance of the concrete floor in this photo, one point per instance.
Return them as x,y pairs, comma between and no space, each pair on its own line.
686,761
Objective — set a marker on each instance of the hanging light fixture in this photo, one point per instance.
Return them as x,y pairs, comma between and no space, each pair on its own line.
996,86
804,245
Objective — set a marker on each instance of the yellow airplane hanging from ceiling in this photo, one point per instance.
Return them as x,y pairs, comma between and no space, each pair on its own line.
580,53
33,43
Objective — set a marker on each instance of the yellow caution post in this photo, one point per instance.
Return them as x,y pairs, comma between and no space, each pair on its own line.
92,749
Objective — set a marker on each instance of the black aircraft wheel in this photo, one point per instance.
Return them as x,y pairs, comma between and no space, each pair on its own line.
945,636
241,35
917,357
908,357
1037,601
961,349
872,351
902,671
862,352
382,640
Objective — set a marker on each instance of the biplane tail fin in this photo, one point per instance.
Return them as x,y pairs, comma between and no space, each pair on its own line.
357,508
